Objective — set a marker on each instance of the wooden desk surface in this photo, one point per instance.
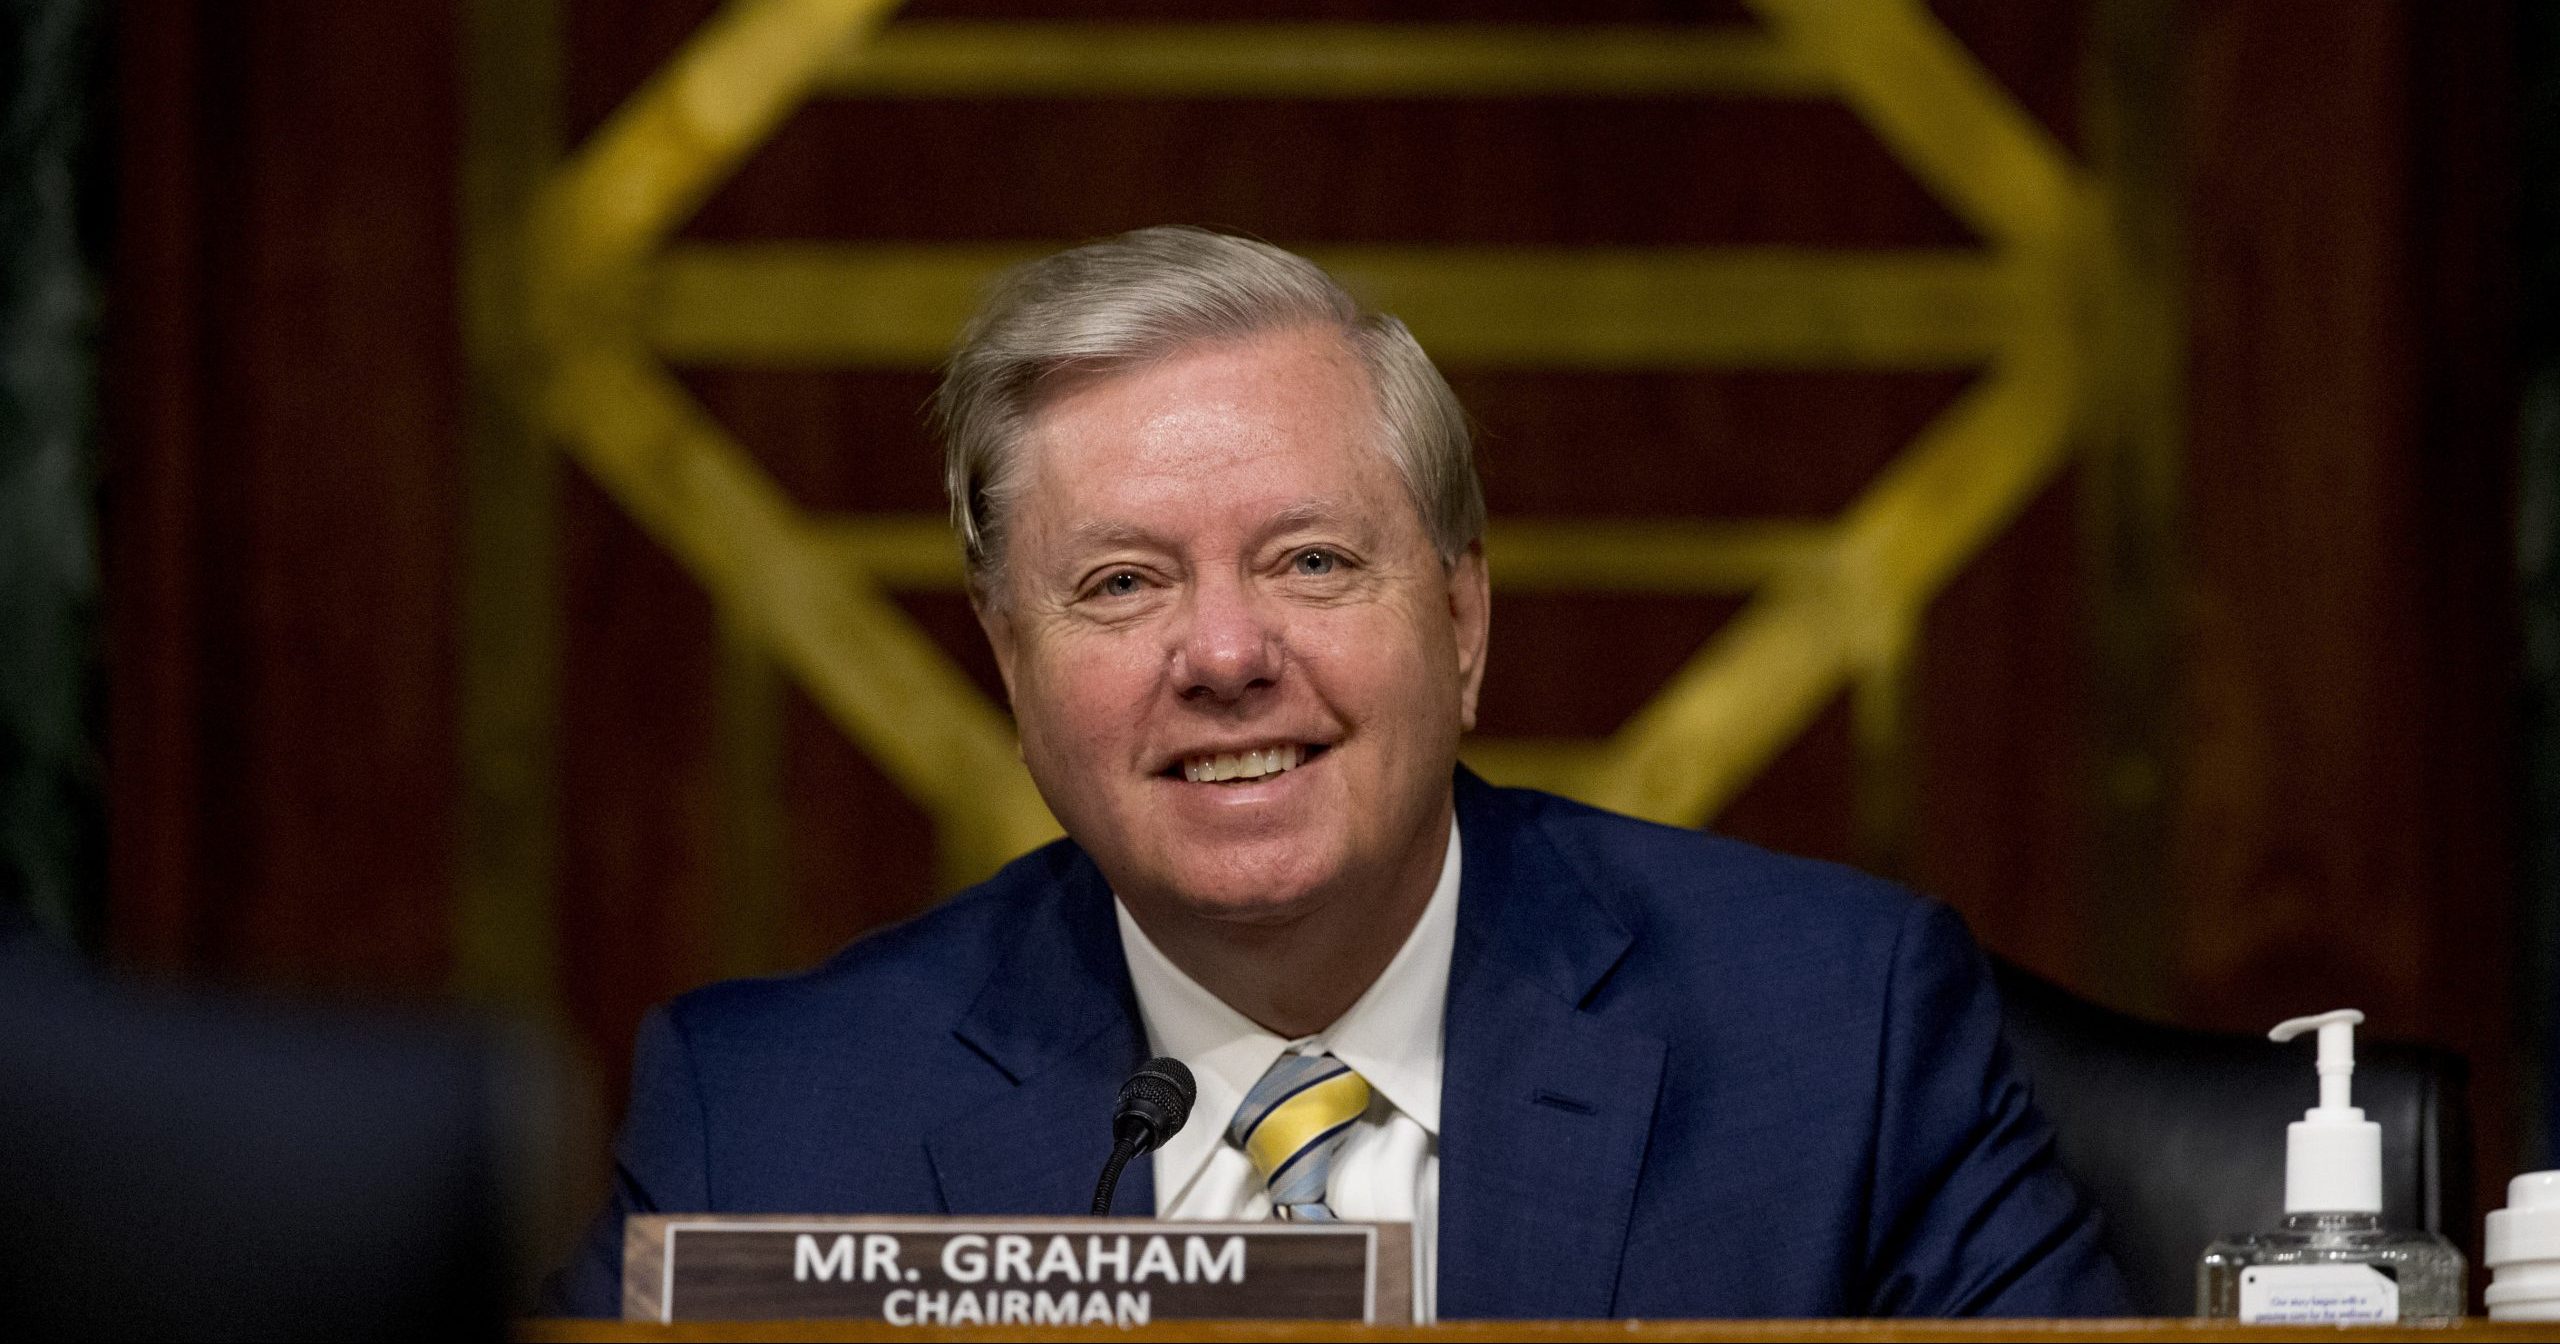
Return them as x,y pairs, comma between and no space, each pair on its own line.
1468,1332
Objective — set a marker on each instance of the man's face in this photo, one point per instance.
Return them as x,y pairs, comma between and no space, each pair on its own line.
1239,666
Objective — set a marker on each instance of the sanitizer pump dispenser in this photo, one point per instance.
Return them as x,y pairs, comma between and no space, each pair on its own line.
2332,1155
2330,1261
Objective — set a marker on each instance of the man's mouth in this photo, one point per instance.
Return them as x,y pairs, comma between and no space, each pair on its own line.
1236,767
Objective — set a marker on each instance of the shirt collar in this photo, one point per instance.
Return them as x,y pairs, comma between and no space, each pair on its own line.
1391,1035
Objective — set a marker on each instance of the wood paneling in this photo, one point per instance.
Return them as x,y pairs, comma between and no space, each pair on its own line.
2344,833
286,404
281,411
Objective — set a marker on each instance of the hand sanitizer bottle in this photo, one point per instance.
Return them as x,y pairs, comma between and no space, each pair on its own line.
2331,1262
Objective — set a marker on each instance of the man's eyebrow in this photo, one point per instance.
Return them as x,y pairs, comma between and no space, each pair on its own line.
1306,513
1104,535
1093,535
1314,513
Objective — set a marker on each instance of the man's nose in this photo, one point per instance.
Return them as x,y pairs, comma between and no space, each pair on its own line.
1228,644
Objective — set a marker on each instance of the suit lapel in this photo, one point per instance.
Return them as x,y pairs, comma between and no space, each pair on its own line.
1059,1021
1545,1109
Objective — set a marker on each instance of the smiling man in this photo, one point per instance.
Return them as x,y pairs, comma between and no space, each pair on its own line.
1223,533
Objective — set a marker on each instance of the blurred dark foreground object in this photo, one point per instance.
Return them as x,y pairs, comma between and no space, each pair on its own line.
178,1168
2179,1136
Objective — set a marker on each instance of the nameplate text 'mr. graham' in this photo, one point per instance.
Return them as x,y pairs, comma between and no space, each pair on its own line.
1017,1271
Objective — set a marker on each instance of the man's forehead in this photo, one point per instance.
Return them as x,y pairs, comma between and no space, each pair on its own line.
1173,428
1194,406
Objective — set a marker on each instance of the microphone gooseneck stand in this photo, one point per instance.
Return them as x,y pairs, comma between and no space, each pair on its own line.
1121,1152
1154,1103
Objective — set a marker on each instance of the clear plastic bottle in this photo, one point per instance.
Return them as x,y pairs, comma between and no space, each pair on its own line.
2331,1261
2427,1273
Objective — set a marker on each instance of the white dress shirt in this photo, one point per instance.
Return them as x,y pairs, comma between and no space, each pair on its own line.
1388,1171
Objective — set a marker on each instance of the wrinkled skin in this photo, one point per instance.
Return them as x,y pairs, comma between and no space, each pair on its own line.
1211,553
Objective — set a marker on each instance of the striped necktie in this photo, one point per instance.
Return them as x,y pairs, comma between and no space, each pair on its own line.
1293,1123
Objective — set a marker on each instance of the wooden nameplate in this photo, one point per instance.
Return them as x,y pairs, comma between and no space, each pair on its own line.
1011,1271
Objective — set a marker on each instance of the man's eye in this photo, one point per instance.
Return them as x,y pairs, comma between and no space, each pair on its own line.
1317,562
1121,584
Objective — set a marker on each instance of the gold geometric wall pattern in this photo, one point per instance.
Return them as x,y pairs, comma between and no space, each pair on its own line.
1832,603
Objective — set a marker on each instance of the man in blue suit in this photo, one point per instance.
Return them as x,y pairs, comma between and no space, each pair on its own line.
1222,528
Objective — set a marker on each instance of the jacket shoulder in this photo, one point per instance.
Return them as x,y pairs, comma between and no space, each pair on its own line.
1669,878
1725,930
930,966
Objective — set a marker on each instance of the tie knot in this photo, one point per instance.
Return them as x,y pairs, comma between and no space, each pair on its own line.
1292,1123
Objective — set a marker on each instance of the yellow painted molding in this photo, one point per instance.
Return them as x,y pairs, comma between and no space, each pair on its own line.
686,129
1670,555
505,928
899,552
807,304
1886,811
1724,716
1831,600
1764,677
909,707
951,58
1961,481
1939,110
1555,765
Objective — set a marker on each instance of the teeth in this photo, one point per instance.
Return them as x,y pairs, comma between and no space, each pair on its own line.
1243,764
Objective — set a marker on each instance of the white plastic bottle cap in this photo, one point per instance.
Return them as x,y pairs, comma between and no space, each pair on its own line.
2522,1251
2332,1155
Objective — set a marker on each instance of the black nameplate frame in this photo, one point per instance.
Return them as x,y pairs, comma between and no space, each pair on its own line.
1011,1271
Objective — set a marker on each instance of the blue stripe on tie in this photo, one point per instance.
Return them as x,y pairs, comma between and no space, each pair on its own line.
1277,1102
1298,1186
1299,1164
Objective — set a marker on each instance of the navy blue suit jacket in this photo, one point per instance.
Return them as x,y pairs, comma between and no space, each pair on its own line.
1685,1078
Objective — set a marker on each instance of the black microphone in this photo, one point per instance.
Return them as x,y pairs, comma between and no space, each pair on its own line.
1153,1104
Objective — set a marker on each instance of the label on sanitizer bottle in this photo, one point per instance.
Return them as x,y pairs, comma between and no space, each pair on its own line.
2318,1295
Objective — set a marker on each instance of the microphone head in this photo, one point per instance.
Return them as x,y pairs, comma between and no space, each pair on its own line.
1154,1103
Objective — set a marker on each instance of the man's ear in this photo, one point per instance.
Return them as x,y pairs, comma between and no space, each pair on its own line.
998,625
1471,619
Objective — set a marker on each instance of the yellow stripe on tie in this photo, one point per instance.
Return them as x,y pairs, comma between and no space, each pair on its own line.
1300,1120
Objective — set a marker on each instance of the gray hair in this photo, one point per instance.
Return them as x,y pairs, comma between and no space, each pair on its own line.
1147,293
